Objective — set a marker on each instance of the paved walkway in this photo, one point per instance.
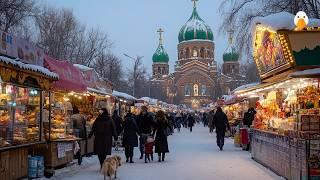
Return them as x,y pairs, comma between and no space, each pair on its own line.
192,156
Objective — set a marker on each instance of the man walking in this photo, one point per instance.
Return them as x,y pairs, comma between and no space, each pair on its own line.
220,121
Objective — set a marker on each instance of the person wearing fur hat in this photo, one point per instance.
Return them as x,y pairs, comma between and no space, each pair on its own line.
161,132
130,135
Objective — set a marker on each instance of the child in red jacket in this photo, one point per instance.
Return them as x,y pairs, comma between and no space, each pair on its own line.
148,149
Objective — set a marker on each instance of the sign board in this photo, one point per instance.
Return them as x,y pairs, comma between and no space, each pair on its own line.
305,48
20,48
268,53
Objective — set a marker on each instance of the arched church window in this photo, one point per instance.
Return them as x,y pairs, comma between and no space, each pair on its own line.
187,90
202,52
159,70
181,55
187,53
195,90
195,52
203,90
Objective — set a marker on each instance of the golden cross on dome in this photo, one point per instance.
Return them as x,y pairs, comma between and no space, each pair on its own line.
194,3
160,31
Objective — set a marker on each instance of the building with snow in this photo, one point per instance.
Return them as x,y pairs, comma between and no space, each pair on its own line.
195,81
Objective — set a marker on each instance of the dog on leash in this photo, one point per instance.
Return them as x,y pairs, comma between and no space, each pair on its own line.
110,166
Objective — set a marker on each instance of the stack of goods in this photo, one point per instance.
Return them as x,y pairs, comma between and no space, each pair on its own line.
58,127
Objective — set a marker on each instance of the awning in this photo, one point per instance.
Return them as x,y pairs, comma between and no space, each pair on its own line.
310,73
123,95
70,78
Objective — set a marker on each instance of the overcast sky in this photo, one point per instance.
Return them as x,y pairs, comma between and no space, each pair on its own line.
132,24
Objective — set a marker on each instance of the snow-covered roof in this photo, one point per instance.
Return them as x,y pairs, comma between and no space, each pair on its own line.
123,95
82,67
151,101
282,20
306,73
246,86
98,90
30,67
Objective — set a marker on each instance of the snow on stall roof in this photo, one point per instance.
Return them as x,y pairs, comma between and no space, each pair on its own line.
246,86
82,67
30,67
149,100
277,21
309,72
123,95
98,90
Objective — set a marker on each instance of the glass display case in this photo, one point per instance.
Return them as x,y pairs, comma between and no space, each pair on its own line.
20,109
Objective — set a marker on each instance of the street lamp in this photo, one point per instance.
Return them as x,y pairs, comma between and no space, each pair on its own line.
135,67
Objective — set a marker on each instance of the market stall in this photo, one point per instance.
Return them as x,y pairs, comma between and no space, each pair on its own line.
67,93
99,92
23,81
286,130
124,102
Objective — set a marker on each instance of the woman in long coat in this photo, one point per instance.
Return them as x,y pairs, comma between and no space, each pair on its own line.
221,123
103,130
161,139
130,136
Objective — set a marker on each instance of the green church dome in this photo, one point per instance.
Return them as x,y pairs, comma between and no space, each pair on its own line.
195,28
230,55
160,56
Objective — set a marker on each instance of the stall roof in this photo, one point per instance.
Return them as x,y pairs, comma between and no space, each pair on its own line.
310,73
246,86
70,78
93,81
30,67
282,20
123,95
150,100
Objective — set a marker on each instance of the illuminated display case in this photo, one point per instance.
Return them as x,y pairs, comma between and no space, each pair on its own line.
20,109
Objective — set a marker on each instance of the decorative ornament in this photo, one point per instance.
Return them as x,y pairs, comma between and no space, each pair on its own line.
301,21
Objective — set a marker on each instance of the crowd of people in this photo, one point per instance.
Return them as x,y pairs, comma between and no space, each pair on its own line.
150,131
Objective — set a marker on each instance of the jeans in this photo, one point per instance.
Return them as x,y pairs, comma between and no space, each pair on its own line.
220,138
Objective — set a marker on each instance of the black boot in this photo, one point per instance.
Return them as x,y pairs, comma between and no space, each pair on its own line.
159,158
127,160
131,160
141,157
163,156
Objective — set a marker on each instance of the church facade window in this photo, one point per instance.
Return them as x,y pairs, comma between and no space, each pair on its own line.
187,90
203,90
195,90
195,52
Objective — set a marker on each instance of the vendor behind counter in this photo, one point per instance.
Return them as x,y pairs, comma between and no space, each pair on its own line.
79,123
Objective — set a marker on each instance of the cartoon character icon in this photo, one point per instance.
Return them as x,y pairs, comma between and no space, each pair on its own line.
301,20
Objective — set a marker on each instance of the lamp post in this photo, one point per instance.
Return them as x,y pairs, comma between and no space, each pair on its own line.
135,67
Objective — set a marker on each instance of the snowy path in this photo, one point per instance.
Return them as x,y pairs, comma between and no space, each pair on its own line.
192,156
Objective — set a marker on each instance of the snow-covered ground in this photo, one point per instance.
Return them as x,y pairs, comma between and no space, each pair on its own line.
192,156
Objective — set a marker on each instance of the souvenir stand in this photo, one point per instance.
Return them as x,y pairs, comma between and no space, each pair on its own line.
67,92
23,80
287,124
99,93
124,102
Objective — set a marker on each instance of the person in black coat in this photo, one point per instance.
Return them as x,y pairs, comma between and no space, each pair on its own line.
249,117
117,121
161,133
103,129
190,121
130,135
221,123
145,123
